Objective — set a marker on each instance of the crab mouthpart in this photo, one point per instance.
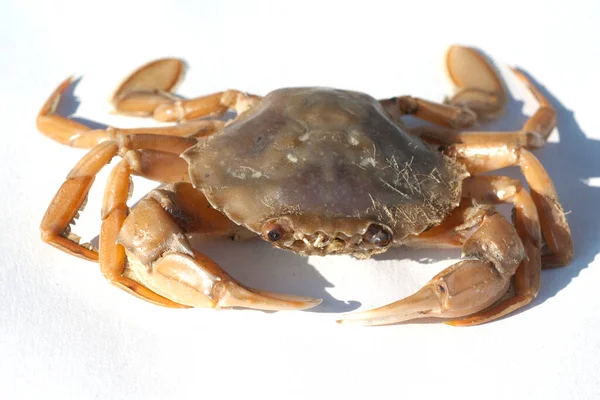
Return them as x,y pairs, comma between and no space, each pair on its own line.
281,234
374,238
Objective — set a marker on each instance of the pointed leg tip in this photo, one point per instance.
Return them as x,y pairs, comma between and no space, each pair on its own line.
294,302
238,296
317,302
308,302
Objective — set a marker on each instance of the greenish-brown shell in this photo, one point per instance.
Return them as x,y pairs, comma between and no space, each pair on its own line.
326,161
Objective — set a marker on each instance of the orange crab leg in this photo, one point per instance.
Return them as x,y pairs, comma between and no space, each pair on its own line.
147,92
72,133
55,126
480,93
156,163
70,199
479,86
112,257
480,155
532,135
479,159
441,114
161,76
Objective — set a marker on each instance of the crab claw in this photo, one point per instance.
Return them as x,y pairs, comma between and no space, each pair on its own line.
227,292
462,289
200,282
421,304
237,295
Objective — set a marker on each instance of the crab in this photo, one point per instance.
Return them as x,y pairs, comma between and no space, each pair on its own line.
317,171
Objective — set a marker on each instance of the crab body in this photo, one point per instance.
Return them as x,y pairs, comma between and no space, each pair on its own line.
325,167
317,171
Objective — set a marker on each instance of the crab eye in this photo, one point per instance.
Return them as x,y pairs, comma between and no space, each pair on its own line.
274,232
377,235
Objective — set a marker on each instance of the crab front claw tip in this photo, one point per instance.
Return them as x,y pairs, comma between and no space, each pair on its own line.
239,296
425,303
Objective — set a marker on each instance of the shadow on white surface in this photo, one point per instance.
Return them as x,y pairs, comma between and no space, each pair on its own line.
570,163
257,264
69,104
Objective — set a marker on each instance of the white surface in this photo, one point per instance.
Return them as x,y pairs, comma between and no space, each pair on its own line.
65,333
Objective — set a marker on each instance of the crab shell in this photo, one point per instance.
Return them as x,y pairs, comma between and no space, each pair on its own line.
325,171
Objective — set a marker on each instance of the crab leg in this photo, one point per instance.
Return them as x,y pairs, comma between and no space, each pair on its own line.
151,248
557,235
112,257
159,161
147,92
72,133
532,135
441,114
481,153
479,86
212,105
493,253
480,93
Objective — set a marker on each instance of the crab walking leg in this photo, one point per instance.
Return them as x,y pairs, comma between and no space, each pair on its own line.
149,86
543,120
192,129
441,114
74,134
493,253
70,199
555,228
480,93
55,126
178,110
112,256
162,75
532,135
147,92
159,161
160,258
479,86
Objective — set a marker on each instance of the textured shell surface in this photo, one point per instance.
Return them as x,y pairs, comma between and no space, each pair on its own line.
324,160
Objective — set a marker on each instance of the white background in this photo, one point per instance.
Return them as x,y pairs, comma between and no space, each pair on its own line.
65,333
